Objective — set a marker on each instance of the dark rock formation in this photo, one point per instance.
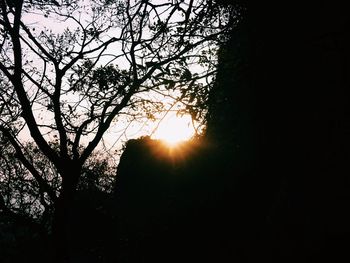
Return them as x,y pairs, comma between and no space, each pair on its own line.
276,186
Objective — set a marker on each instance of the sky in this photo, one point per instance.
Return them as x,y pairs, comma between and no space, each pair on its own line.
170,126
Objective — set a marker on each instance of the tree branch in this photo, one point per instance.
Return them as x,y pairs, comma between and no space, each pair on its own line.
43,185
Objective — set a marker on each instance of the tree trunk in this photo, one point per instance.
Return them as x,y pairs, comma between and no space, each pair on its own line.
61,227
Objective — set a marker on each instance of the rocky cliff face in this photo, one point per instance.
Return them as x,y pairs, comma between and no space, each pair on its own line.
279,116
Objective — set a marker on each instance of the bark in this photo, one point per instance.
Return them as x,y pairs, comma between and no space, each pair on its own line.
61,228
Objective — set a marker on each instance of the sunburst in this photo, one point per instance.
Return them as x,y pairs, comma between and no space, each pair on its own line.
175,129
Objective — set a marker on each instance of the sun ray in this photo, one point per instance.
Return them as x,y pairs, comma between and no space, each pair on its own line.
174,129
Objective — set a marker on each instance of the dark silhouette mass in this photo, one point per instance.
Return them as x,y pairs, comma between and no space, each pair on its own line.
276,184
269,178
71,72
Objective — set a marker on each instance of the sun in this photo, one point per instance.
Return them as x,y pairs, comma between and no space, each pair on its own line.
174,129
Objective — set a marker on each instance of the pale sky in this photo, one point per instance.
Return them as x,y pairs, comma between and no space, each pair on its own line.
176,128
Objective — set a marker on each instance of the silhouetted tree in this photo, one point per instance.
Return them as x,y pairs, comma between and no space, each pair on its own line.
70,69
26,211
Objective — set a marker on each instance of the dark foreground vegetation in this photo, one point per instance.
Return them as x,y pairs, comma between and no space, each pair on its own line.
269,180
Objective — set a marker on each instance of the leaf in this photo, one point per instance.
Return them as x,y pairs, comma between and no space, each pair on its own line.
186,74
171,83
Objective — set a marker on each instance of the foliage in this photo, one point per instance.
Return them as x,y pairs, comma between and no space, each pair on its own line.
18,189
72,69
21,193
26,211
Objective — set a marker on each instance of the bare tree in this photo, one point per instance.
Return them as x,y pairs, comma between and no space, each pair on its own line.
71,69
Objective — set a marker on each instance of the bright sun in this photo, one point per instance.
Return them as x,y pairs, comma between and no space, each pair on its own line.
174,129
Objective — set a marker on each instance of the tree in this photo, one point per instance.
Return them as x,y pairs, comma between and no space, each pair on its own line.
71,69
26,210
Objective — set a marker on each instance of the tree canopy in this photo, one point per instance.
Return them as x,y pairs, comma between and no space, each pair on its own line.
72,69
